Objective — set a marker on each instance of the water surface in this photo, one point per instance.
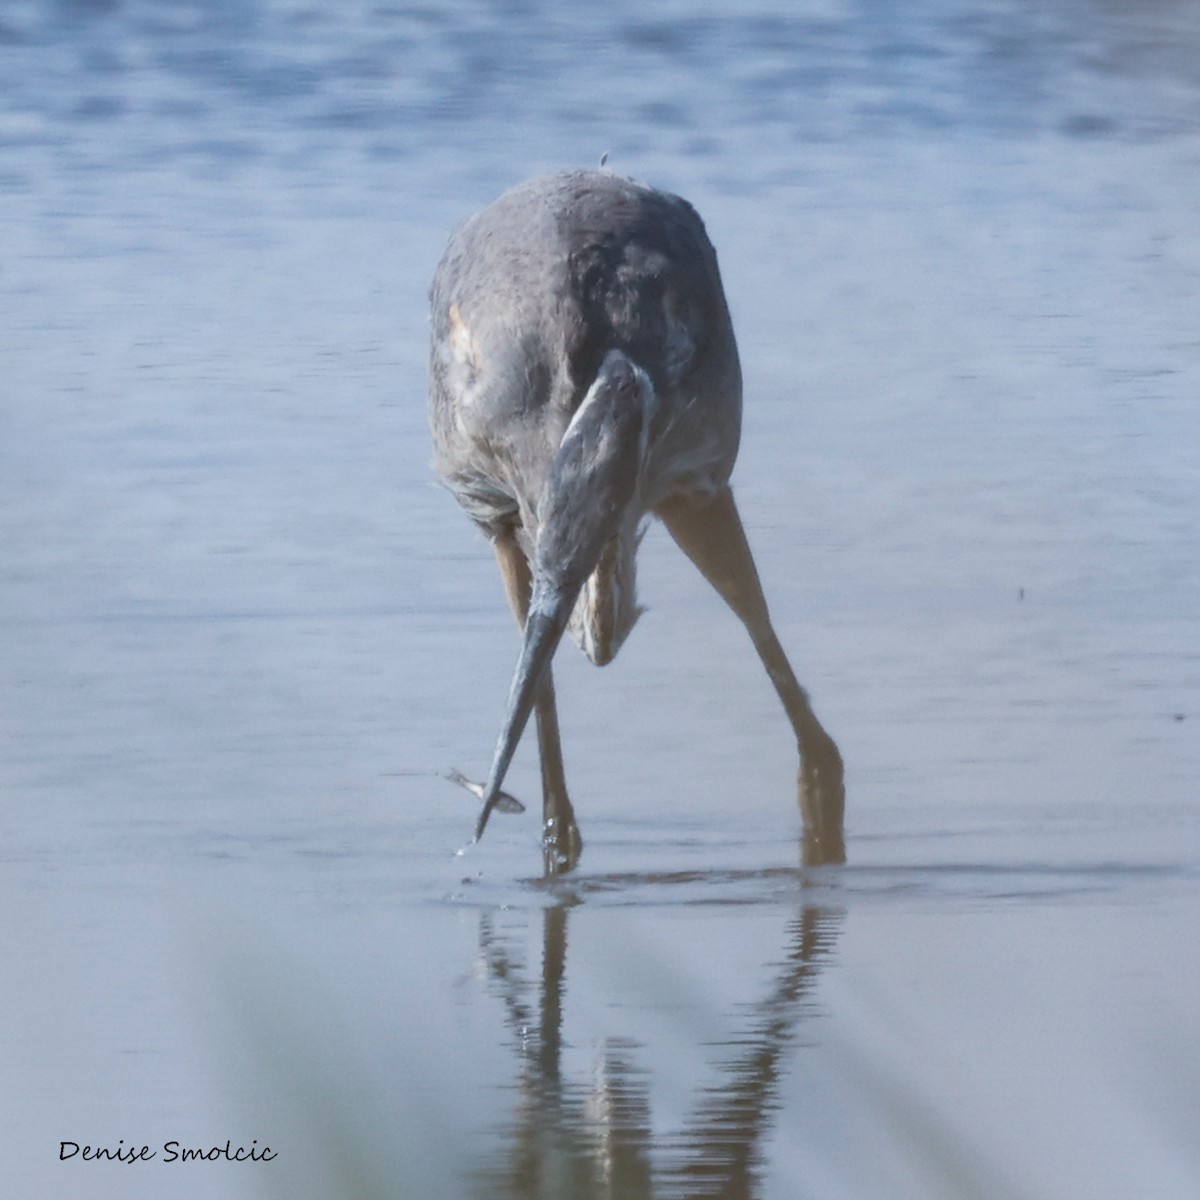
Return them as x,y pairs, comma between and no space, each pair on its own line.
243,632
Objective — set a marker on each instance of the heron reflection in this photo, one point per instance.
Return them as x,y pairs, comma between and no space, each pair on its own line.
583,377
592,1139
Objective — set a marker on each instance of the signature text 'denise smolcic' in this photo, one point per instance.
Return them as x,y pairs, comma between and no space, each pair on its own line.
172,1151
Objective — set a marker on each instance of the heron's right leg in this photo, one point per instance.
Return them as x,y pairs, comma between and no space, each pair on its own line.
712,536
560,835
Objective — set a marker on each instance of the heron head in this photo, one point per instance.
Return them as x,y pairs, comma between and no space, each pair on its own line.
607,608
587,518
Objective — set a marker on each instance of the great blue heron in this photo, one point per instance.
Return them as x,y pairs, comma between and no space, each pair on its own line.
583,376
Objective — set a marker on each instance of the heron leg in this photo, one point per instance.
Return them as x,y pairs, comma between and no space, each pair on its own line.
712,536
561,843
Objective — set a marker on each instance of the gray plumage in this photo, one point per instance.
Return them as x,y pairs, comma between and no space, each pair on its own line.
583,375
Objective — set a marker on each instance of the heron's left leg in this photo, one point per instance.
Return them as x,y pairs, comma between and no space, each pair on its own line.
712,536
560,835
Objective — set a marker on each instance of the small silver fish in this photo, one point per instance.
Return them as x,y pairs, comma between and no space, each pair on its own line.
504,802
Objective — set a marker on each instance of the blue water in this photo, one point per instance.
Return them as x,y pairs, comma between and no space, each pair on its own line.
243,632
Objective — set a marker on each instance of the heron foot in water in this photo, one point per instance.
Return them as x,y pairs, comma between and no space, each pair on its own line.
561,845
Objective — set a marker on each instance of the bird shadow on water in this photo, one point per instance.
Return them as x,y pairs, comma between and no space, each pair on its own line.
593,1134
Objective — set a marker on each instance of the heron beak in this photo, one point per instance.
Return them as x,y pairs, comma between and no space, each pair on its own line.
548,614
592,480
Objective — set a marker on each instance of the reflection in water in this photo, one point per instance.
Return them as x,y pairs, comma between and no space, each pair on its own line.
595,1139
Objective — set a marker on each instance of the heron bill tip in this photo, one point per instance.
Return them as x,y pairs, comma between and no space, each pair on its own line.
543,630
